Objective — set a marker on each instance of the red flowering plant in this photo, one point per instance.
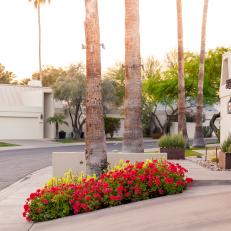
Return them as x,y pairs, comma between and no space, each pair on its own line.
124,183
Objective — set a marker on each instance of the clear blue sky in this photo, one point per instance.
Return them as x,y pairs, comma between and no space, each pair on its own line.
63,31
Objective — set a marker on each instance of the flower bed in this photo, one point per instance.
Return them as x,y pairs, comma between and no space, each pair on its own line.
124,184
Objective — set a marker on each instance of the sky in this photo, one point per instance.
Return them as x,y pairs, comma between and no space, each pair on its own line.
63,31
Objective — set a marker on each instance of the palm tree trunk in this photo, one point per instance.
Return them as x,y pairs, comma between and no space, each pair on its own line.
96,155
198,140
133,132
39,34
181,83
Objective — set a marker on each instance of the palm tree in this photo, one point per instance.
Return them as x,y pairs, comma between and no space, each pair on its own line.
57,119
198,140
181,82
96,155
37,4
133,132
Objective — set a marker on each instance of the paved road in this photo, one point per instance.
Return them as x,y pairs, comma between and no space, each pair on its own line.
16,164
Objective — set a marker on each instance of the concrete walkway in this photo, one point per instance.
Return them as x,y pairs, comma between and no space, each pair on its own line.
204,206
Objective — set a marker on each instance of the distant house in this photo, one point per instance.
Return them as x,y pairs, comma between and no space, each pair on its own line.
24,111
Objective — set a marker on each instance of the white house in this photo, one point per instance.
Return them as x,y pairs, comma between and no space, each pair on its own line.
24,111
225,97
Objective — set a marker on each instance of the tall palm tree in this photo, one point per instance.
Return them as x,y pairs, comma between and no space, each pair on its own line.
37,4
96,155
133,132
181,82
198,140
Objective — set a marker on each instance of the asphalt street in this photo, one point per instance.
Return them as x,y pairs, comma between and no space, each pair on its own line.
16,164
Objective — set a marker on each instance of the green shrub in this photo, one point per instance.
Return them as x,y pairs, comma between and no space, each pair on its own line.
229,149
123,184
207,131
174,141
111,125
225,147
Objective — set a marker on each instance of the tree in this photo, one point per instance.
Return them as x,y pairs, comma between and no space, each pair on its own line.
96,155
50,75
111,125
109,95
6,77
198,140
57,119
133,133
37,4
24,81
117,75
70,90
162,87
181,83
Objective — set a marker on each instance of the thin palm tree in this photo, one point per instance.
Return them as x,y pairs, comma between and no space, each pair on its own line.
133,132
96,155
37,4
198,140
57,119
181,82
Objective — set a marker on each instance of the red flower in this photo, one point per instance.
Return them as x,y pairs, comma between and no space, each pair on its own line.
189,180
161,192
115,198
45,201
87,198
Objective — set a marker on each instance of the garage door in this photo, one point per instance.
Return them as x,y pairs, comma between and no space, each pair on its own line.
19,128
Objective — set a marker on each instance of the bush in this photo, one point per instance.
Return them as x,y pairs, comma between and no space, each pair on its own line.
229,149
226,144
174,141
111,125
123,184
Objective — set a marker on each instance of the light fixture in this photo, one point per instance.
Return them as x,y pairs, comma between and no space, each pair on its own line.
229,106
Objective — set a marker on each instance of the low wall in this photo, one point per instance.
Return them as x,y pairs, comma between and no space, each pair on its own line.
75,161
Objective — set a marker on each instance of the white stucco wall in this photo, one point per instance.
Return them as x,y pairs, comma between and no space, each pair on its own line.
22,112
225,94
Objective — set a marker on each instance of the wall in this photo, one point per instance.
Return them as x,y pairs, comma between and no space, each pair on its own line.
21,112
225,95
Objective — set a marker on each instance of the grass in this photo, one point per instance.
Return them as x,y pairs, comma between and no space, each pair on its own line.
151,152
67,141
3,144
191,152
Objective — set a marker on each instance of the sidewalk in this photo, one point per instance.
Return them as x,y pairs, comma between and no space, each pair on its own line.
198,202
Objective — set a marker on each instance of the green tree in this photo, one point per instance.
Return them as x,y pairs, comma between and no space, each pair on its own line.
112,125
117,75
71,91
163,89
50,75
6,77
57,119
198,140
109,95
